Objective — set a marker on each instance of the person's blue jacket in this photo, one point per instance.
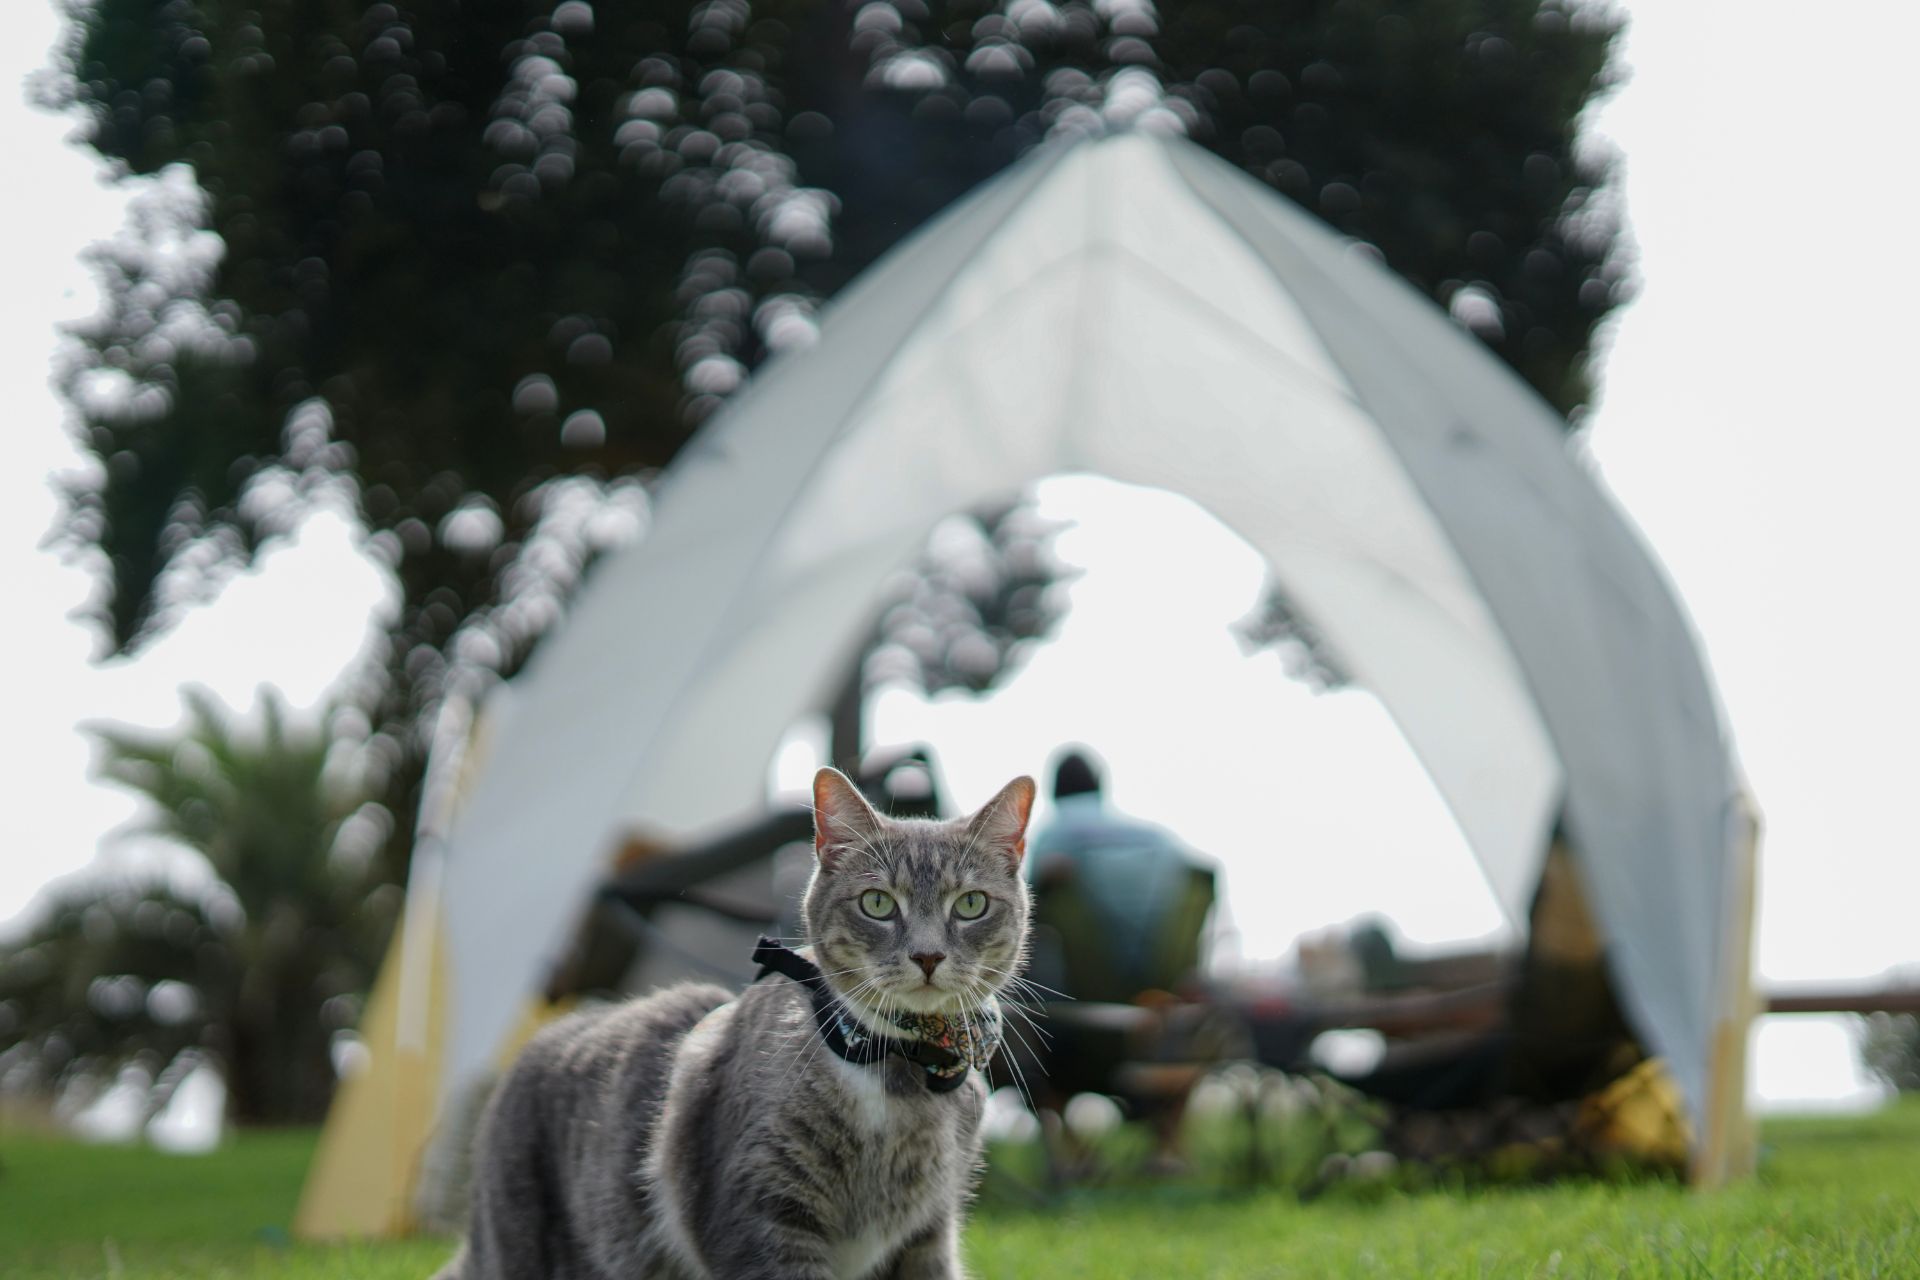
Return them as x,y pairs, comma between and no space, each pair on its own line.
1129,871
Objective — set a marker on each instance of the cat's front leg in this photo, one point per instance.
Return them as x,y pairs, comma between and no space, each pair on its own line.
934,1254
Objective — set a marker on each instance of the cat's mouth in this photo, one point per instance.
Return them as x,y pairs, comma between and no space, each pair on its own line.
926,997
923,995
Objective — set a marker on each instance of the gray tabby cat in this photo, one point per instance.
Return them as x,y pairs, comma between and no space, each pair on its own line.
692,1134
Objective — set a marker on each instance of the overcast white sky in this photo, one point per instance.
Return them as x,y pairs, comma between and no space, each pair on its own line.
1757,423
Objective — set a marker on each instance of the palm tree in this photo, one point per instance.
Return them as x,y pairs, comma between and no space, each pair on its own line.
269,964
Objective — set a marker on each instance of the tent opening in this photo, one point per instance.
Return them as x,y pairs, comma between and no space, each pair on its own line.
1310,799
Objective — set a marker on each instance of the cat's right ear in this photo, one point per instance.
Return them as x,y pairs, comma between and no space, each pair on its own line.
1002,822
843,821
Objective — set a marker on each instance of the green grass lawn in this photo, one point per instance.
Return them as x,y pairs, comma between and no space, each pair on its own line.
68,1210
1836,1198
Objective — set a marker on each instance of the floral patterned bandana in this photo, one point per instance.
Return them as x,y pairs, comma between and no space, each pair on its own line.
971,1038
945,1046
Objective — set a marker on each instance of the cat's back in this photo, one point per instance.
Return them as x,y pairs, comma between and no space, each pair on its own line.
601,1071
591,1046
559,1148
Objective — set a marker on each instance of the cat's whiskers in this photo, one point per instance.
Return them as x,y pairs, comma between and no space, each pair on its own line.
1013,1060
841,973
1027,1017
1013,987
1013,1030
972,837
1033,1024
1020,1077
966,1026
1018,1008
807,1046
1016,979
807,1039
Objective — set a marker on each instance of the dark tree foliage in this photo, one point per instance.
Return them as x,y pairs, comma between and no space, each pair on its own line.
105,976
1891,1049
1278,623
458,262
984,590
1442,132
473,263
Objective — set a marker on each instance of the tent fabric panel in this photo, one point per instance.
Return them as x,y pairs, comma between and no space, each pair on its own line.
717,743
530,840
1295,468
1145,211
1476,733
1588,614
513,884
1238,405
1046,229
936,436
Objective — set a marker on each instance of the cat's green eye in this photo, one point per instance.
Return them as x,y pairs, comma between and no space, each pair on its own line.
877,903
971,906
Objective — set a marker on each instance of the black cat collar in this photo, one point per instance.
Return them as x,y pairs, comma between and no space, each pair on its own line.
942,1047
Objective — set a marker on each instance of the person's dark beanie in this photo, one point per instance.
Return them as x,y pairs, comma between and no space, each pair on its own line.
1074,776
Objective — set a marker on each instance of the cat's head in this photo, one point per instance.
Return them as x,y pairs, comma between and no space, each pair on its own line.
915,916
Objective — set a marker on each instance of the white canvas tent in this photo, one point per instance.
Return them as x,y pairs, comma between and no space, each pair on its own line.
1127,305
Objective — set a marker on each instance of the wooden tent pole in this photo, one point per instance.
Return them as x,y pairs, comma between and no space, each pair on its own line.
1728,1145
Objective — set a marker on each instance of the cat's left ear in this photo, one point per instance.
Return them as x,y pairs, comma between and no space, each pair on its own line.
1001,824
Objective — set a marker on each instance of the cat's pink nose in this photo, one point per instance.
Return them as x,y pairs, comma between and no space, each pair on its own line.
928,961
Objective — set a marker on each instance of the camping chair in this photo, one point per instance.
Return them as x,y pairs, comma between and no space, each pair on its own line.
1117,1020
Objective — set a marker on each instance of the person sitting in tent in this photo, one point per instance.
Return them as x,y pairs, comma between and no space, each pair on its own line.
1121,903
1120,908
